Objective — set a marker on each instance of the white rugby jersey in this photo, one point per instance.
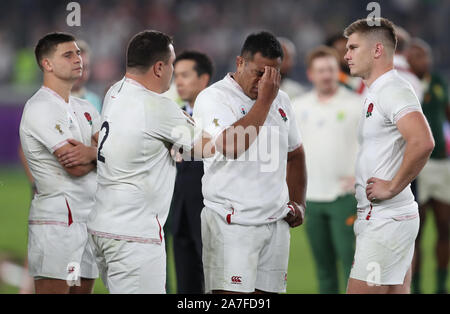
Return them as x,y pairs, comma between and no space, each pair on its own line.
136,173
381,145
47,123
329,133
251,190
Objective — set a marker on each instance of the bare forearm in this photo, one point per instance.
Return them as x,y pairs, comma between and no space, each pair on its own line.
202,148
85,169
256,116
93,154
238,137
415,157
297,178
78,155
81,170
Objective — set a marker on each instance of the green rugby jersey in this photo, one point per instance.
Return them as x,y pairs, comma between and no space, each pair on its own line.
434,105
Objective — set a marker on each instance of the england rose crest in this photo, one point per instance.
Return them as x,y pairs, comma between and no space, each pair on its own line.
88,117
283,114
369,110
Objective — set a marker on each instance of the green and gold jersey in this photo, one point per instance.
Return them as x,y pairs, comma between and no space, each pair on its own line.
434,106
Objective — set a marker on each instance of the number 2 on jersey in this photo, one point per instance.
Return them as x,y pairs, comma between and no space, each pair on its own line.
99,155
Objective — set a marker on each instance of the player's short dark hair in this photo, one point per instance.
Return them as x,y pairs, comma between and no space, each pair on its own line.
203,64
146,48
264,43
47,45
382,27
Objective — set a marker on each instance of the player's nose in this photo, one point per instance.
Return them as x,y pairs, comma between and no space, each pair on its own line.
347,56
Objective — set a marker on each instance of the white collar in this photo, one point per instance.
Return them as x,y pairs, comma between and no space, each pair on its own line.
381,79
135,83
232,82
51,91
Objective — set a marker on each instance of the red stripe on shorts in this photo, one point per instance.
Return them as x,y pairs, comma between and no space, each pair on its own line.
229,216
370,213
160,234
70,220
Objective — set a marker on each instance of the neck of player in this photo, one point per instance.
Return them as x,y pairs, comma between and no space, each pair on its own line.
146,80
376,72
61,87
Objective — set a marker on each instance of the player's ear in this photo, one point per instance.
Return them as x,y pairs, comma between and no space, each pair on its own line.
158,68
47,65
239,61
379,50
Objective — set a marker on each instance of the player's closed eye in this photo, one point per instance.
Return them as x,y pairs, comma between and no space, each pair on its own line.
69,54
258,73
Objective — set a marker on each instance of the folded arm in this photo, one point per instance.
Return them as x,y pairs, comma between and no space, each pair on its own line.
76,158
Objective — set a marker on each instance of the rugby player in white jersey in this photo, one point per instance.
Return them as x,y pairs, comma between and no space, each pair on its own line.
395,143
58,135
254,186
136,173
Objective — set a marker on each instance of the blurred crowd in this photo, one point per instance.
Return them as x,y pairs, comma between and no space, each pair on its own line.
215,27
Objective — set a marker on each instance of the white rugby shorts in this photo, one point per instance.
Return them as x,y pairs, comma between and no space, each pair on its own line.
384,249
128,267
243,258
59,251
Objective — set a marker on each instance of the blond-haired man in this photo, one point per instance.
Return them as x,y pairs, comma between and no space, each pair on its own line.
395,143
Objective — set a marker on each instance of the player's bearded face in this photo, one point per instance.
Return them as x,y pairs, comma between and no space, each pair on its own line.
66,62
250,70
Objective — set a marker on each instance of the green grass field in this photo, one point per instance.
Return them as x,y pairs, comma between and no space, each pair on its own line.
14,204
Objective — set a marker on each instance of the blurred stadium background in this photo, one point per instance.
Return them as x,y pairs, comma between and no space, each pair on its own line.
215,27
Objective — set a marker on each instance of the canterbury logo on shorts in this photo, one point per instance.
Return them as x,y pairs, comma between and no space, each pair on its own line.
236,279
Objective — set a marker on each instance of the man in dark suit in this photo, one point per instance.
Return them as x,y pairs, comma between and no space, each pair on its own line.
192,73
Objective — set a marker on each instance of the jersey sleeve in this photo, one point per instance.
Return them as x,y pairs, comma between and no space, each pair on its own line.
96,122
397,102
294,137
212,114
50,126
168,122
